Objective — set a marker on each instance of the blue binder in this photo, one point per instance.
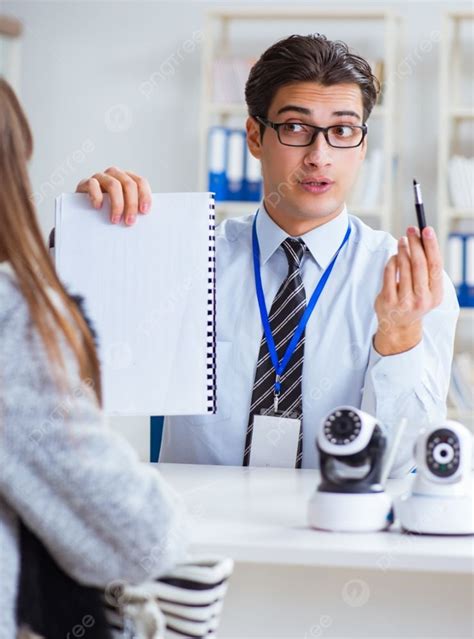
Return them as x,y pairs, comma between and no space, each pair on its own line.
461,263
233,174
217,152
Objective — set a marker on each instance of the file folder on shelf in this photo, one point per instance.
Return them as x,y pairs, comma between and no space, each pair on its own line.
461,266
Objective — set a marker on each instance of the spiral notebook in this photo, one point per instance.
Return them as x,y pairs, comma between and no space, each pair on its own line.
149,289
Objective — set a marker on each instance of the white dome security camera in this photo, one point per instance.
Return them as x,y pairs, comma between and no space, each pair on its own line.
441,499
350,496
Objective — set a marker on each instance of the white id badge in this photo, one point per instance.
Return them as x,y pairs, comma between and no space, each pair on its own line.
274,441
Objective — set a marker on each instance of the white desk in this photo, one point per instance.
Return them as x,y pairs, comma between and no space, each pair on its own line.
294,582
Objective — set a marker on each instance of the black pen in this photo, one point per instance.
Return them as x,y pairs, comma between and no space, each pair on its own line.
420,209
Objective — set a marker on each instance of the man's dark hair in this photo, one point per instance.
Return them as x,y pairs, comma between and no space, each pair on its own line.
310,58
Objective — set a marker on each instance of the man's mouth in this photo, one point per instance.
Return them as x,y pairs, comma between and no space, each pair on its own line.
317,184
317,180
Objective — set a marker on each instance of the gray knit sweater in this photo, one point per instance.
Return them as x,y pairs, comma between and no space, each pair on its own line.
102,514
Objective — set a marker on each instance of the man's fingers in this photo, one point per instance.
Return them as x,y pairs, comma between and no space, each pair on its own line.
129,193
419,264
405,284
390,280
435,263
144,192
92,187
113,188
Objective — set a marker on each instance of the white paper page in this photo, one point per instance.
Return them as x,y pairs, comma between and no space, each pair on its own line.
146,290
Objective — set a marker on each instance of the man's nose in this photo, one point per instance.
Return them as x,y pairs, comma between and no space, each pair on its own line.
319,152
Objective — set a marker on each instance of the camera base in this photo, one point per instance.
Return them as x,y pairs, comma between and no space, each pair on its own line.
430,515
350,512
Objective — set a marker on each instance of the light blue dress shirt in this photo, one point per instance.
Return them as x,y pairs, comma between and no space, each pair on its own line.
341,366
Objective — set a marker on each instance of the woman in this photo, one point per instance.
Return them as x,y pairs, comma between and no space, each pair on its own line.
78,511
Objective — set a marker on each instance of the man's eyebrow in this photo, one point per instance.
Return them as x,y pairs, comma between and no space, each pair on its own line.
305,111
353,114
293,107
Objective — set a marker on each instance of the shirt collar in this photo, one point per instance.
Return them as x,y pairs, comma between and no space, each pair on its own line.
322,242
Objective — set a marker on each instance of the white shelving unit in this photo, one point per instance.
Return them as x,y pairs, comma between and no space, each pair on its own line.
453,114
218,43
10,50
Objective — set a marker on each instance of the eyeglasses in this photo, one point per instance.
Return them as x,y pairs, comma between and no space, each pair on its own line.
340,136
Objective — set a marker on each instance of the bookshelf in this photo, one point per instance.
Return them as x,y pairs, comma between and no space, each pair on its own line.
10,50
456,122
454,115
218,43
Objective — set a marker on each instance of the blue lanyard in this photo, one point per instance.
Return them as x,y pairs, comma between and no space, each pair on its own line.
281,366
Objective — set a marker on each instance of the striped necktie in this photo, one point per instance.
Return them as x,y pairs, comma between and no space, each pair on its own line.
286,311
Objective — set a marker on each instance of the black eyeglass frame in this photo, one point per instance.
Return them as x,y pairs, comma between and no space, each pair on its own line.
316,129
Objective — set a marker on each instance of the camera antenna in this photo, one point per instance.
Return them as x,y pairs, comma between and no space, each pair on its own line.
392,451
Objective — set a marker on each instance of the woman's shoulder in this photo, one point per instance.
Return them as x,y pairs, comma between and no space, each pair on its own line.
25,361
21,349
13,304
11,298
19,338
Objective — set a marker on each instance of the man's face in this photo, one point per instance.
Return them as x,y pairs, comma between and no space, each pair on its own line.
285,168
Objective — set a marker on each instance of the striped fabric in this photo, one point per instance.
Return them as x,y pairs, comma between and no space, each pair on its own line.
286,311
186,603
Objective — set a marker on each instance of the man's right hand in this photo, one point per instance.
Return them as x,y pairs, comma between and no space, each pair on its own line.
130,194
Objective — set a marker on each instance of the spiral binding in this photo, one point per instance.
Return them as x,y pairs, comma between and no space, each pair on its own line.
211,310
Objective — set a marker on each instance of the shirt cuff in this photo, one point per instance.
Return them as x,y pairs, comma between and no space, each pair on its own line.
397,373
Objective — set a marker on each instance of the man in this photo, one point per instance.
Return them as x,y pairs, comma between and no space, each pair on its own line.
381,334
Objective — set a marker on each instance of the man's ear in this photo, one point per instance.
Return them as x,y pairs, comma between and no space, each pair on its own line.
253,137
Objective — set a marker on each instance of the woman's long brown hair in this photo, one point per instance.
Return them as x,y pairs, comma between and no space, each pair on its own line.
21,244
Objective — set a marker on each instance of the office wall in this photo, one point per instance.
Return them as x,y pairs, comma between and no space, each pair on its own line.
83,66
